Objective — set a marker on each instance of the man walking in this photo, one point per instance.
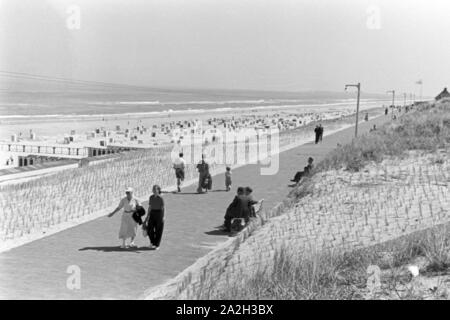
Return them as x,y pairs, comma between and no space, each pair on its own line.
317,132
179,165
320,132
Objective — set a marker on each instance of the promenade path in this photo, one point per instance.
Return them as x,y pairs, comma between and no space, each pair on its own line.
39,270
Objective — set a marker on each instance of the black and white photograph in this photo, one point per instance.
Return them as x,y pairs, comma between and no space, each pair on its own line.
236,152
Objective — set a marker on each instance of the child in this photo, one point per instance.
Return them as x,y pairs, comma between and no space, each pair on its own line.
228,178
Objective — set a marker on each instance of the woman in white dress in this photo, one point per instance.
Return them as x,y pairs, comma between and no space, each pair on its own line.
128,226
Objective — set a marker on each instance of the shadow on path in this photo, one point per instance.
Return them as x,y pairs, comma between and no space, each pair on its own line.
217,233
185,193
116,249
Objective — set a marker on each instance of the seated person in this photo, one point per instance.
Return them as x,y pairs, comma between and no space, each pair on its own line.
306,171
251,201
234,210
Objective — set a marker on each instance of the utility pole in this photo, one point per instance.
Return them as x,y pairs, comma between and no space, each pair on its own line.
393,99
420,82
421,91
358,86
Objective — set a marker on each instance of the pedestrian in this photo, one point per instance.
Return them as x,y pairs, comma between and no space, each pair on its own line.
203,170
228,178
179,165
320,132
154,222
386,111
128,225
317,133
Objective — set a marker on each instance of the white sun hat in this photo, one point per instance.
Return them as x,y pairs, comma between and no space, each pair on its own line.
129,189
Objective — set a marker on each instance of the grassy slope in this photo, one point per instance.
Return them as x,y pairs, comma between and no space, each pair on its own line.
344,276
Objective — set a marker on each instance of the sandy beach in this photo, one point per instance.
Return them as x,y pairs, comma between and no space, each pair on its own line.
54,127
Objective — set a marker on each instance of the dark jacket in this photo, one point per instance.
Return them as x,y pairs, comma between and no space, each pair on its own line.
203,168
234,210
241,207
138,214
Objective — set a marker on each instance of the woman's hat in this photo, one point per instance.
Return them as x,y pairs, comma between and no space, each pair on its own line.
129,189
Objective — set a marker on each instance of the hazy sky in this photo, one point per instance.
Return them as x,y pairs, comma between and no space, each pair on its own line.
235,44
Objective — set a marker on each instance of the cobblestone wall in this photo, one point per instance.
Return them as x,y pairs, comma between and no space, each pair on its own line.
341,211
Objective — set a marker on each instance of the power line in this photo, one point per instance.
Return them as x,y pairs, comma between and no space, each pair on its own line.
30,76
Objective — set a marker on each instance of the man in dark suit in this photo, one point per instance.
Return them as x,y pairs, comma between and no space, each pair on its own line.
317,133
320,132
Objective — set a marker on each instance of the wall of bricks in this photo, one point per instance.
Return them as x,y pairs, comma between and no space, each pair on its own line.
341,211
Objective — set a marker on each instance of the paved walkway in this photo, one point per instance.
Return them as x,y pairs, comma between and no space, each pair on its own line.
38,270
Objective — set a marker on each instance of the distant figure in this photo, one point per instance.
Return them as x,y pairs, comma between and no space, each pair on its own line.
386,111
306,171
228,178
320,132
128,225
374,128
317,133
204,175
366,117
154,223
179,165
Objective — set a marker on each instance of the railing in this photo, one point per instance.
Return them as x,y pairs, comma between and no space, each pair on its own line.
46,150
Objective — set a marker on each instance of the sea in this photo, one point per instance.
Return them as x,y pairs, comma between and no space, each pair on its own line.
23,105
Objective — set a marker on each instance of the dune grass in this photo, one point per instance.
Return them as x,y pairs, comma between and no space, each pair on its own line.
332,275
427,128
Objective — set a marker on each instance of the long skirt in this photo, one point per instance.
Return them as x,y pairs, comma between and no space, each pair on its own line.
128,226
